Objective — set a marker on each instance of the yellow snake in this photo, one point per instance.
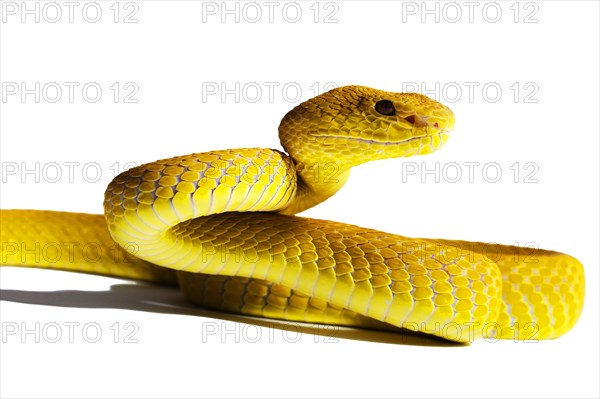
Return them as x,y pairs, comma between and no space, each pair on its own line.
224,221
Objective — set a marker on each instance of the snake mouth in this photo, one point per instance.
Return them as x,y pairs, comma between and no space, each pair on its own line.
442,135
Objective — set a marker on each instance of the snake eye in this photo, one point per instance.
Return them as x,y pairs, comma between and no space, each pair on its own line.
385,107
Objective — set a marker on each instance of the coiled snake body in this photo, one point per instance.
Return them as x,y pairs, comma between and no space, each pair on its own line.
224,221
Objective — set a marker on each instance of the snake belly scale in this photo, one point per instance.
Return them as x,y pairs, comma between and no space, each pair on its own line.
222,225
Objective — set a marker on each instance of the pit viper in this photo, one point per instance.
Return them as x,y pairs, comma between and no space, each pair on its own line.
221,225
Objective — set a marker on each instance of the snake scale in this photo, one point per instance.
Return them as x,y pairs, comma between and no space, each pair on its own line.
221,224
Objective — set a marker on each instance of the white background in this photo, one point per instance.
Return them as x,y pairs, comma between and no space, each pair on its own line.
171,54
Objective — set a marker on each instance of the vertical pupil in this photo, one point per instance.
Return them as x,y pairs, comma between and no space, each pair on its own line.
385,107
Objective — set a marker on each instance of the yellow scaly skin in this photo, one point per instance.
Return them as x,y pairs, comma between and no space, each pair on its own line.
223,220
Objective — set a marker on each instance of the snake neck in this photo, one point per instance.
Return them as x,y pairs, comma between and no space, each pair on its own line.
316,182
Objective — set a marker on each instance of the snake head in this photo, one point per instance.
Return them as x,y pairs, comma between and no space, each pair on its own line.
355,124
